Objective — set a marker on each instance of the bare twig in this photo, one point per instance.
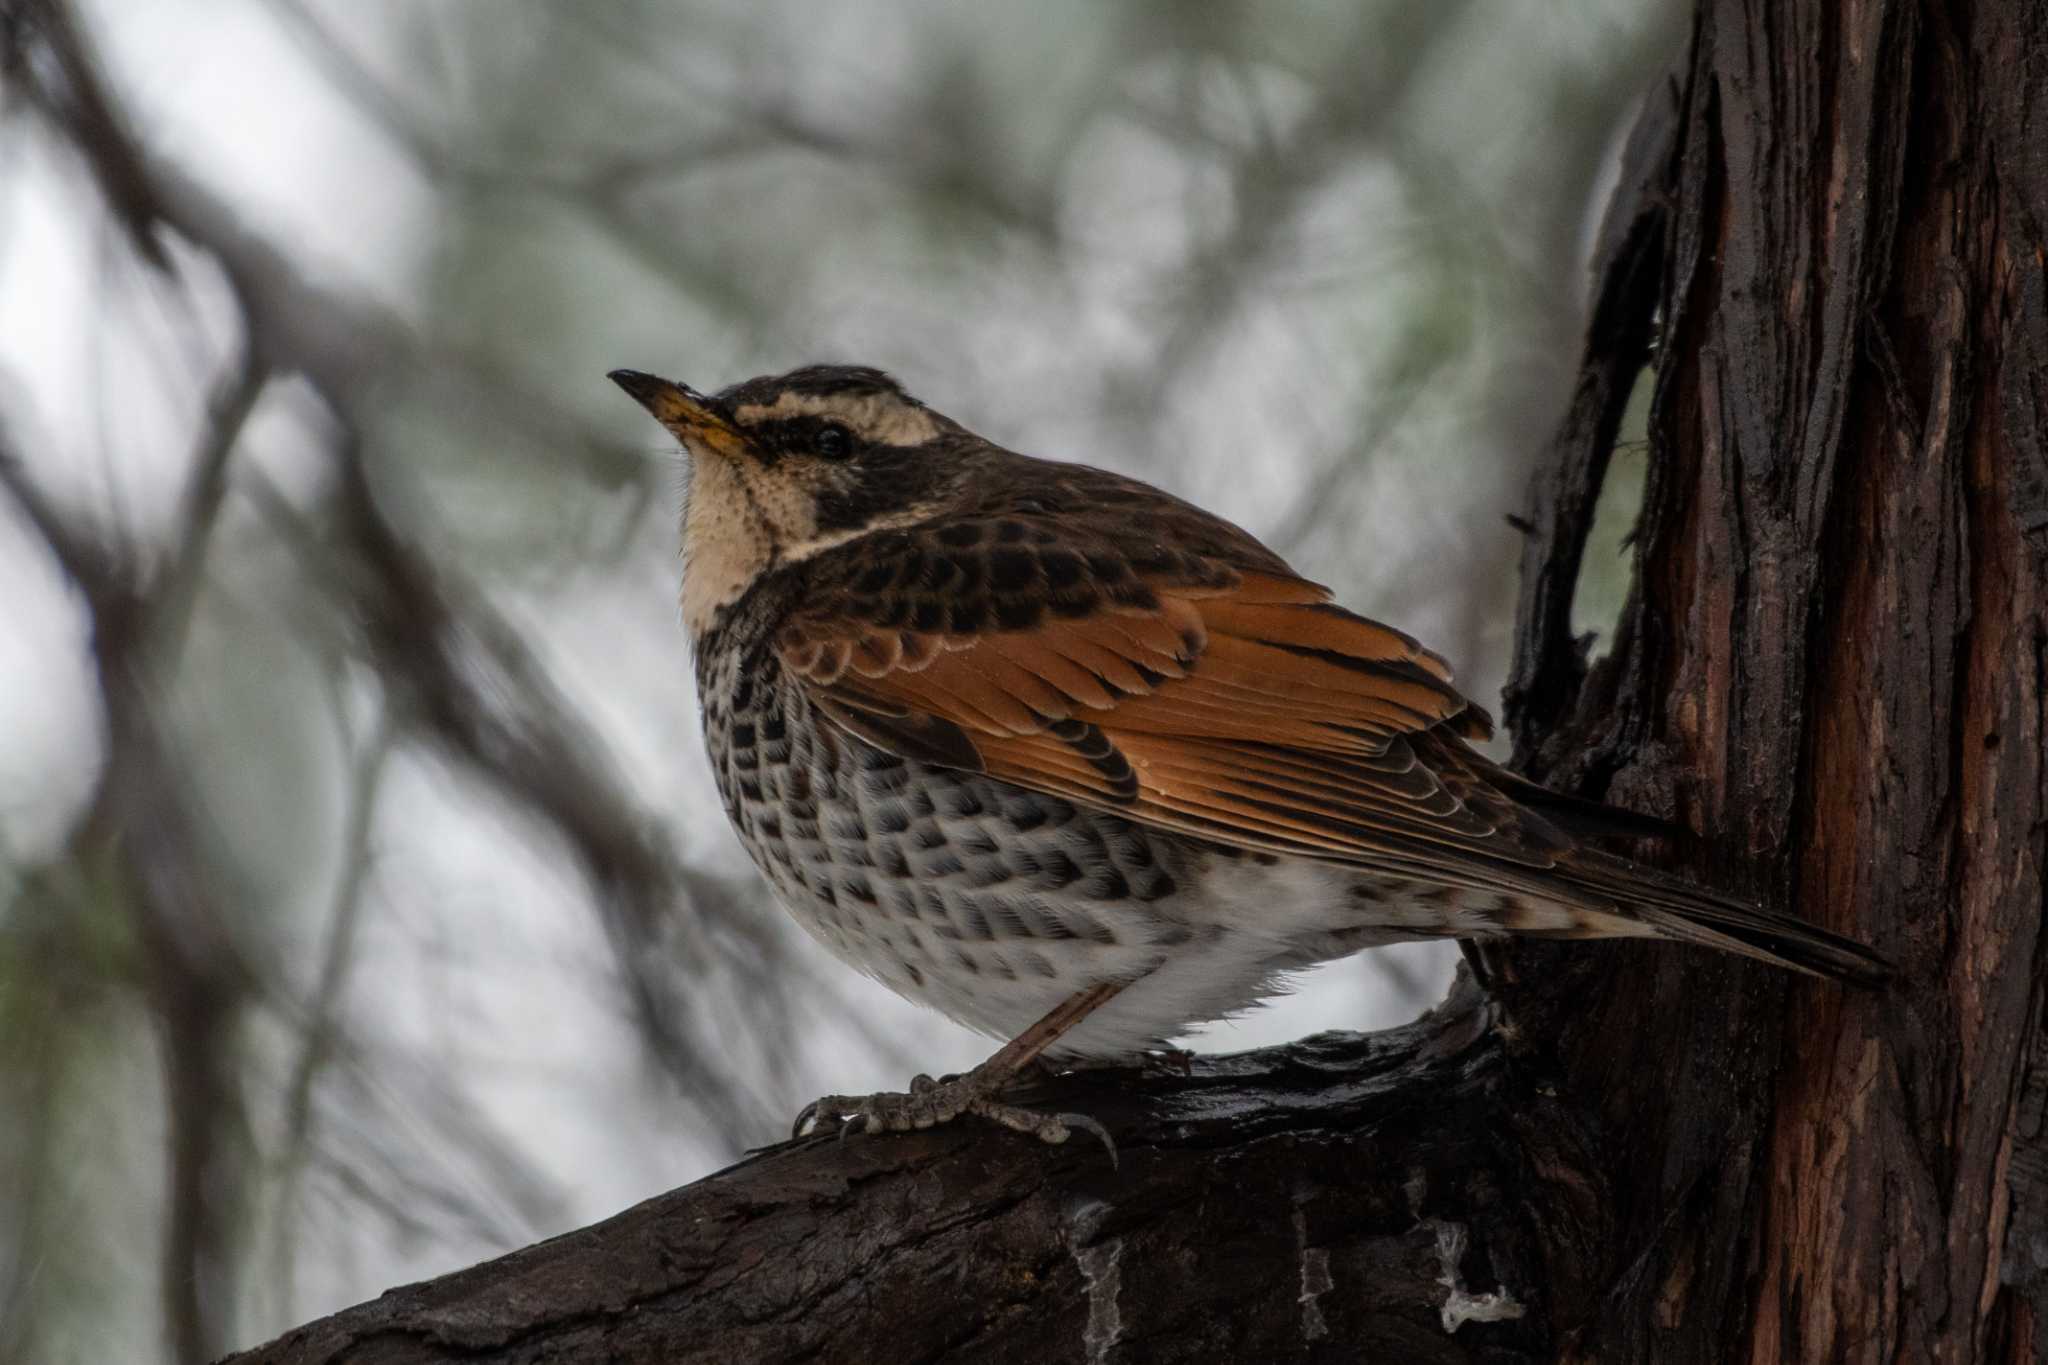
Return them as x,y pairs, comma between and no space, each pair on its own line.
206,486
337,958
143,822
467,674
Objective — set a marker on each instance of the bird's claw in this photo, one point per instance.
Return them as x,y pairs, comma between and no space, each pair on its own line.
1093,1129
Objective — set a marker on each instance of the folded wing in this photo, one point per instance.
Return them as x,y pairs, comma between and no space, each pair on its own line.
1235,704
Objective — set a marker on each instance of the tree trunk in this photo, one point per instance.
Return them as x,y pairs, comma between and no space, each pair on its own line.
1830,234
1835,661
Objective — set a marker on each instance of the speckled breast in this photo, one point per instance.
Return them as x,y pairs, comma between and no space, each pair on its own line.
987,901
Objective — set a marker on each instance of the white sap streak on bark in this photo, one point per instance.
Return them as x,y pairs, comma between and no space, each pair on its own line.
1101,1278
1315,1280
1104,1280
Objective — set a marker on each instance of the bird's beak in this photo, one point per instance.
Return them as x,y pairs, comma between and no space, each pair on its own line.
693,417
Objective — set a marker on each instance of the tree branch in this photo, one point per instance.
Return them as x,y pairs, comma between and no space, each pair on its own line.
1422,1163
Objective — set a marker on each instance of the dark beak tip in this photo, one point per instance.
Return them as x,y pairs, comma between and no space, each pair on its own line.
633,381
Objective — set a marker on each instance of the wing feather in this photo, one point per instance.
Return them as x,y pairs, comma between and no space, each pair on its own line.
1235,703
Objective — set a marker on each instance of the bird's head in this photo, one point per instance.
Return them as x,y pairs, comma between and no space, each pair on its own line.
786,466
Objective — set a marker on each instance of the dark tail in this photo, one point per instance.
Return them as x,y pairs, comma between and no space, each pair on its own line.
1579,817
1666,907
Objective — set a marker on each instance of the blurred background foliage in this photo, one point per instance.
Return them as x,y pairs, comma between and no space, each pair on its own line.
365,908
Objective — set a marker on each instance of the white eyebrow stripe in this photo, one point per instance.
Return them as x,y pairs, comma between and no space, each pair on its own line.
878,417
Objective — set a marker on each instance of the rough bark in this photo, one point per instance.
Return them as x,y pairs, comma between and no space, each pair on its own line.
1341,1196
1834,661
1832,236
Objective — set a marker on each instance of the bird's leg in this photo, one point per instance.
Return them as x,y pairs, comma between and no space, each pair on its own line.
930,1102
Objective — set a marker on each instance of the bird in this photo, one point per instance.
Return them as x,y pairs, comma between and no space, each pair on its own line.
1081,765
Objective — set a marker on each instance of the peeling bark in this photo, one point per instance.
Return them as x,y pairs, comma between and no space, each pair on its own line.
1832,235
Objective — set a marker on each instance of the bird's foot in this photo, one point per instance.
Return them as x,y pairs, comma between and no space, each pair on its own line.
928,1103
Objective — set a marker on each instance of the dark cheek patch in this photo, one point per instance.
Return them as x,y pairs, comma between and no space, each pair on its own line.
842,510
879,481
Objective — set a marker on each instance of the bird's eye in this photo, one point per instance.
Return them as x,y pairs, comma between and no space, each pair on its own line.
834,442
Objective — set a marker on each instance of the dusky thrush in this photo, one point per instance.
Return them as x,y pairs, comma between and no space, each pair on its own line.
1081,765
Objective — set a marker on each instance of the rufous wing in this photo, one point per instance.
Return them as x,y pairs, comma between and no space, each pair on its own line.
1243,707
